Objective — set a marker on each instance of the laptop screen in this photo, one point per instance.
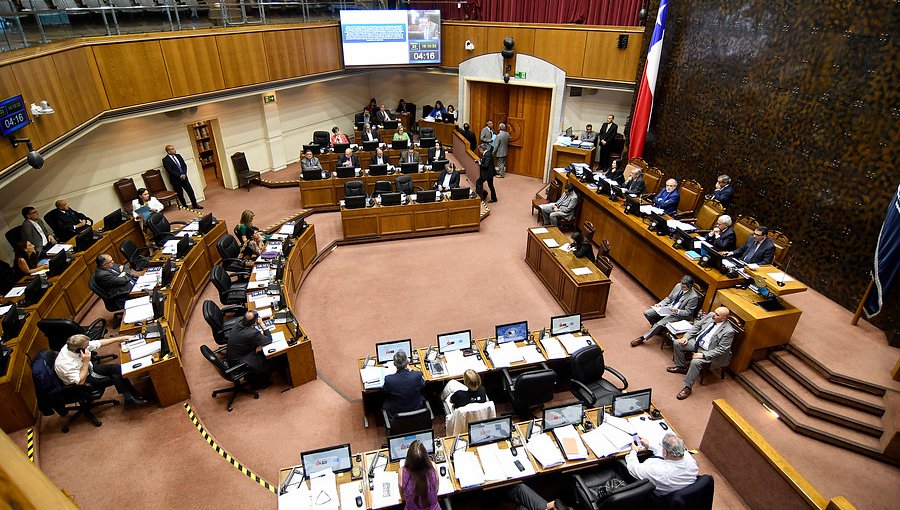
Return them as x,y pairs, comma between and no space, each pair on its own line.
633,402
454,341
563,324
514,332
336,457
384,351
398,445
490,431
560,416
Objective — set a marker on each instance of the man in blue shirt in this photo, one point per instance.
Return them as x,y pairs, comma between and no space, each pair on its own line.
667,199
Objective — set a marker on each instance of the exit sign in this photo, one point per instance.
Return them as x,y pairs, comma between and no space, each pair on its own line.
268,98
521,75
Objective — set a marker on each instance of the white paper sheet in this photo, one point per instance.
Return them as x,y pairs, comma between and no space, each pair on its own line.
780,277
573,343
551,243
264,313
171,247
56,248
276,346
287,228
553,347
445,483
323,491
146,282
467,469
296,497
509,463
531,354
148,349
679,327
599,444
136,364
647,209
539,230
348,492
15,292
257,284
490,464
544,449
387,490
581,271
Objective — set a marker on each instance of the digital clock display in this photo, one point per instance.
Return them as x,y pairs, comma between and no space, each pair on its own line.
13,115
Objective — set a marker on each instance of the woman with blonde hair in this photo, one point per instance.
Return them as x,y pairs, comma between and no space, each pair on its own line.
474,391
245,227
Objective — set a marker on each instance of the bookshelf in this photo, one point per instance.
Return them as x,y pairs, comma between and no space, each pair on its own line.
206,150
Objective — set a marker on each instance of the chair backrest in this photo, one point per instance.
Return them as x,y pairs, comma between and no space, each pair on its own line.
701,297
554,191
220,279
322,138
588,231
158,224
214,317
7,277
153,180
126,190
535,386
13,236
50,220
587,364
228,247
108,302
382,187
617,146
744,227
354,188
426,132
634,496
653,179
604,264
458,421
708,213
696,496
426,110
411,421
58,331
220,364
782,247
128,249
638,162
239,162
404,184
690,192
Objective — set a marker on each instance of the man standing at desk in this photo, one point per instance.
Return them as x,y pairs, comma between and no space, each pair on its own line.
73,366
604,140
502,150
675,470
177,169
404,388
759,249
680,304
707,344
244,339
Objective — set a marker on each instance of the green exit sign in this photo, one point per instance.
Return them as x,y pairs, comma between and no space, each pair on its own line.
268,98
521,75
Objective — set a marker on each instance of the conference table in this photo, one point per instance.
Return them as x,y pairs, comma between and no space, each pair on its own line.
412,219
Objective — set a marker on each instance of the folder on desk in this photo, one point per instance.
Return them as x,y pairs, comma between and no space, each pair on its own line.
599,444
531,355
572,446
468,469
573,343
551,243
542,448
676,328
387,490
490,463
554,348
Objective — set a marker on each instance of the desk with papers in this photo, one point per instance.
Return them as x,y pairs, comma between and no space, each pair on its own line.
444,217
576,284
565,154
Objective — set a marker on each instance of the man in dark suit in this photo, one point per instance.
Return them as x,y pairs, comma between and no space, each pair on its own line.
469,135
722,236
379,158
36,231
370,135
680,304
605,137
244,339
759,249
668,198
723,192
707,344
411,156
635,183
177,170
65,221
486,173
382,115
403,388
449,178
113,278
349,159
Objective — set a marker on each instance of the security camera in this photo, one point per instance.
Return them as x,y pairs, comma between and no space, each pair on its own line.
469,45
41,109
34,158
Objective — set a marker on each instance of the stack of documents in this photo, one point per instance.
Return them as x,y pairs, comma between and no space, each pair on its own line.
651,430
490,463
581,271
676,328
457,363
146,282
505,355
262,273
296,497
373,376
323,490
137,310
58,248
573,343
287,228
687,227
147,349
647,209
171,247
544,449
387,489
468,469
553,348
571,443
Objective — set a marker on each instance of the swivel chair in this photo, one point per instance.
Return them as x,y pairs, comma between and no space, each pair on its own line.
410,421
230,251
230,293
55,397
13,236
322,139
137,258
405,184
161,228
696,496
354,188
529,389
426,132
382,187
588,384
114,303
635,495
236,374
221,320
58,332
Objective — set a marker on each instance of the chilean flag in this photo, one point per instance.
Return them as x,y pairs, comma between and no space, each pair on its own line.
643,107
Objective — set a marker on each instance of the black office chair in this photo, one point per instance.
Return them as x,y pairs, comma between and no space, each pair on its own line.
382,187
221,320
696,496
230,293
230,251
405,184
322,139
410,421
354,188
161,228
7,277
634,495
235,374
529,389
13,236
114,303
426,132
58,332
137,258
426,110
55,397
588,384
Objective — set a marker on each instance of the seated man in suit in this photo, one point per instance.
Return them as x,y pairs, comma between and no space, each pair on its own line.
759,249
723,192
349,159
66,222
36,231
113,278
722,236
382,115
562,208
73,366
370,135
635,183
680,304
469,135
449,178
244,339
707,344
403,388
588,135
669,470
668,198
411,156
437,152
379,158
310,162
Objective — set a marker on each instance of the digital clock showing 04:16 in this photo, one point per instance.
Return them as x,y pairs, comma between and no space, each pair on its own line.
423,55
13,115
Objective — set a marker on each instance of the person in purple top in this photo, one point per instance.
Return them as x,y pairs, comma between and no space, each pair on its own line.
419,480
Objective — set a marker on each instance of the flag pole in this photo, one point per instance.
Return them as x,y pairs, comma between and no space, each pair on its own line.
862,302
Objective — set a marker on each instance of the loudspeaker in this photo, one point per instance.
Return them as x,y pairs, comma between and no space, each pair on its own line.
623,41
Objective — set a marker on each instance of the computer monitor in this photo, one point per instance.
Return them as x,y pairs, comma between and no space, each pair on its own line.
34,291
439,165
113,220
683,240
300,227
183,247
426,196
427,143
632,205
314,147
490,431
312,175
344,172
658,224
58,263
12,324
391,124
560,416
355,202
84,239
339,148
206,223
562,324
512,332
399,144
370,145
454,341
603,186
378,169
391,198
711,258
157,301
460,193
633,402
398,445
409,168
568,132
384,351
335,457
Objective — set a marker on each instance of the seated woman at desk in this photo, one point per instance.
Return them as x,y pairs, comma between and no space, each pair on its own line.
245,228
450,116
418,480
337,136
470,391
437,152
253,247
401,134
401,106
27,260
145,200
438,111
581,247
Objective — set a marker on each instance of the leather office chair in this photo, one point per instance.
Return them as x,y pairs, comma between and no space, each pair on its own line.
743,228
153,181
7,277
588,231
235,374
161,228
554,191
83,399
696,496
127,191
230,293
405,184
426,132
616,147
529,389
354,188
605,248
13,236
114,303
635,495
638,162
426,110
137,258
382,187
322,139
242,169
604,264
588,384
221,320
230,251
690,194
410,421
58,332
706,216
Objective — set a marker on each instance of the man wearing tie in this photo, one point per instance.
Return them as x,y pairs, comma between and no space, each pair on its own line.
382,115
707,344
604,140
759,249
680,304
411,156
349,159
177,169
369,135
379,158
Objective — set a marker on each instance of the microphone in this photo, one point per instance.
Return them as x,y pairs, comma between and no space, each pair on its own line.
780,283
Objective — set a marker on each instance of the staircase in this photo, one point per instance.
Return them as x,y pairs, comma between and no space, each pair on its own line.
814,401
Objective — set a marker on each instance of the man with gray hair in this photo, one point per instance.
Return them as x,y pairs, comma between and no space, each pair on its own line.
73,366
674,469
724,191
722,236
501,142
403,388
114,279
680,304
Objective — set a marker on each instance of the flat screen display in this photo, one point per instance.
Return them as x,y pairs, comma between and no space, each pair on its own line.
563,324
398,445
515,332
336,457
391,37
14,114
490,431
454,341
561,416
633,402
385,350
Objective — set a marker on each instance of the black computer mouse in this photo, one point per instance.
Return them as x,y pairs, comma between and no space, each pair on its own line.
663,425
359,501
443,470
513,451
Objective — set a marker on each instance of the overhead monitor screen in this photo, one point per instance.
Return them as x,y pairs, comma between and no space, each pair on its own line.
376,37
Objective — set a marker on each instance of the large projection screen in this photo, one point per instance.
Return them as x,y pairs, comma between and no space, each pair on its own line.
378,38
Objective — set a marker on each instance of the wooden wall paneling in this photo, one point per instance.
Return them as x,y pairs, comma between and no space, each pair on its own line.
243,59
284,51
322,49
193,64
453,43
133,73
605,61
77,70
43,83
529,118
563,48
523,38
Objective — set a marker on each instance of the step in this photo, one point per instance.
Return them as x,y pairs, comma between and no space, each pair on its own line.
810,426
823,388
833,376
815,406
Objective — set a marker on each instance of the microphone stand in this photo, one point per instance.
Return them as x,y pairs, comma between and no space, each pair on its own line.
780,283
